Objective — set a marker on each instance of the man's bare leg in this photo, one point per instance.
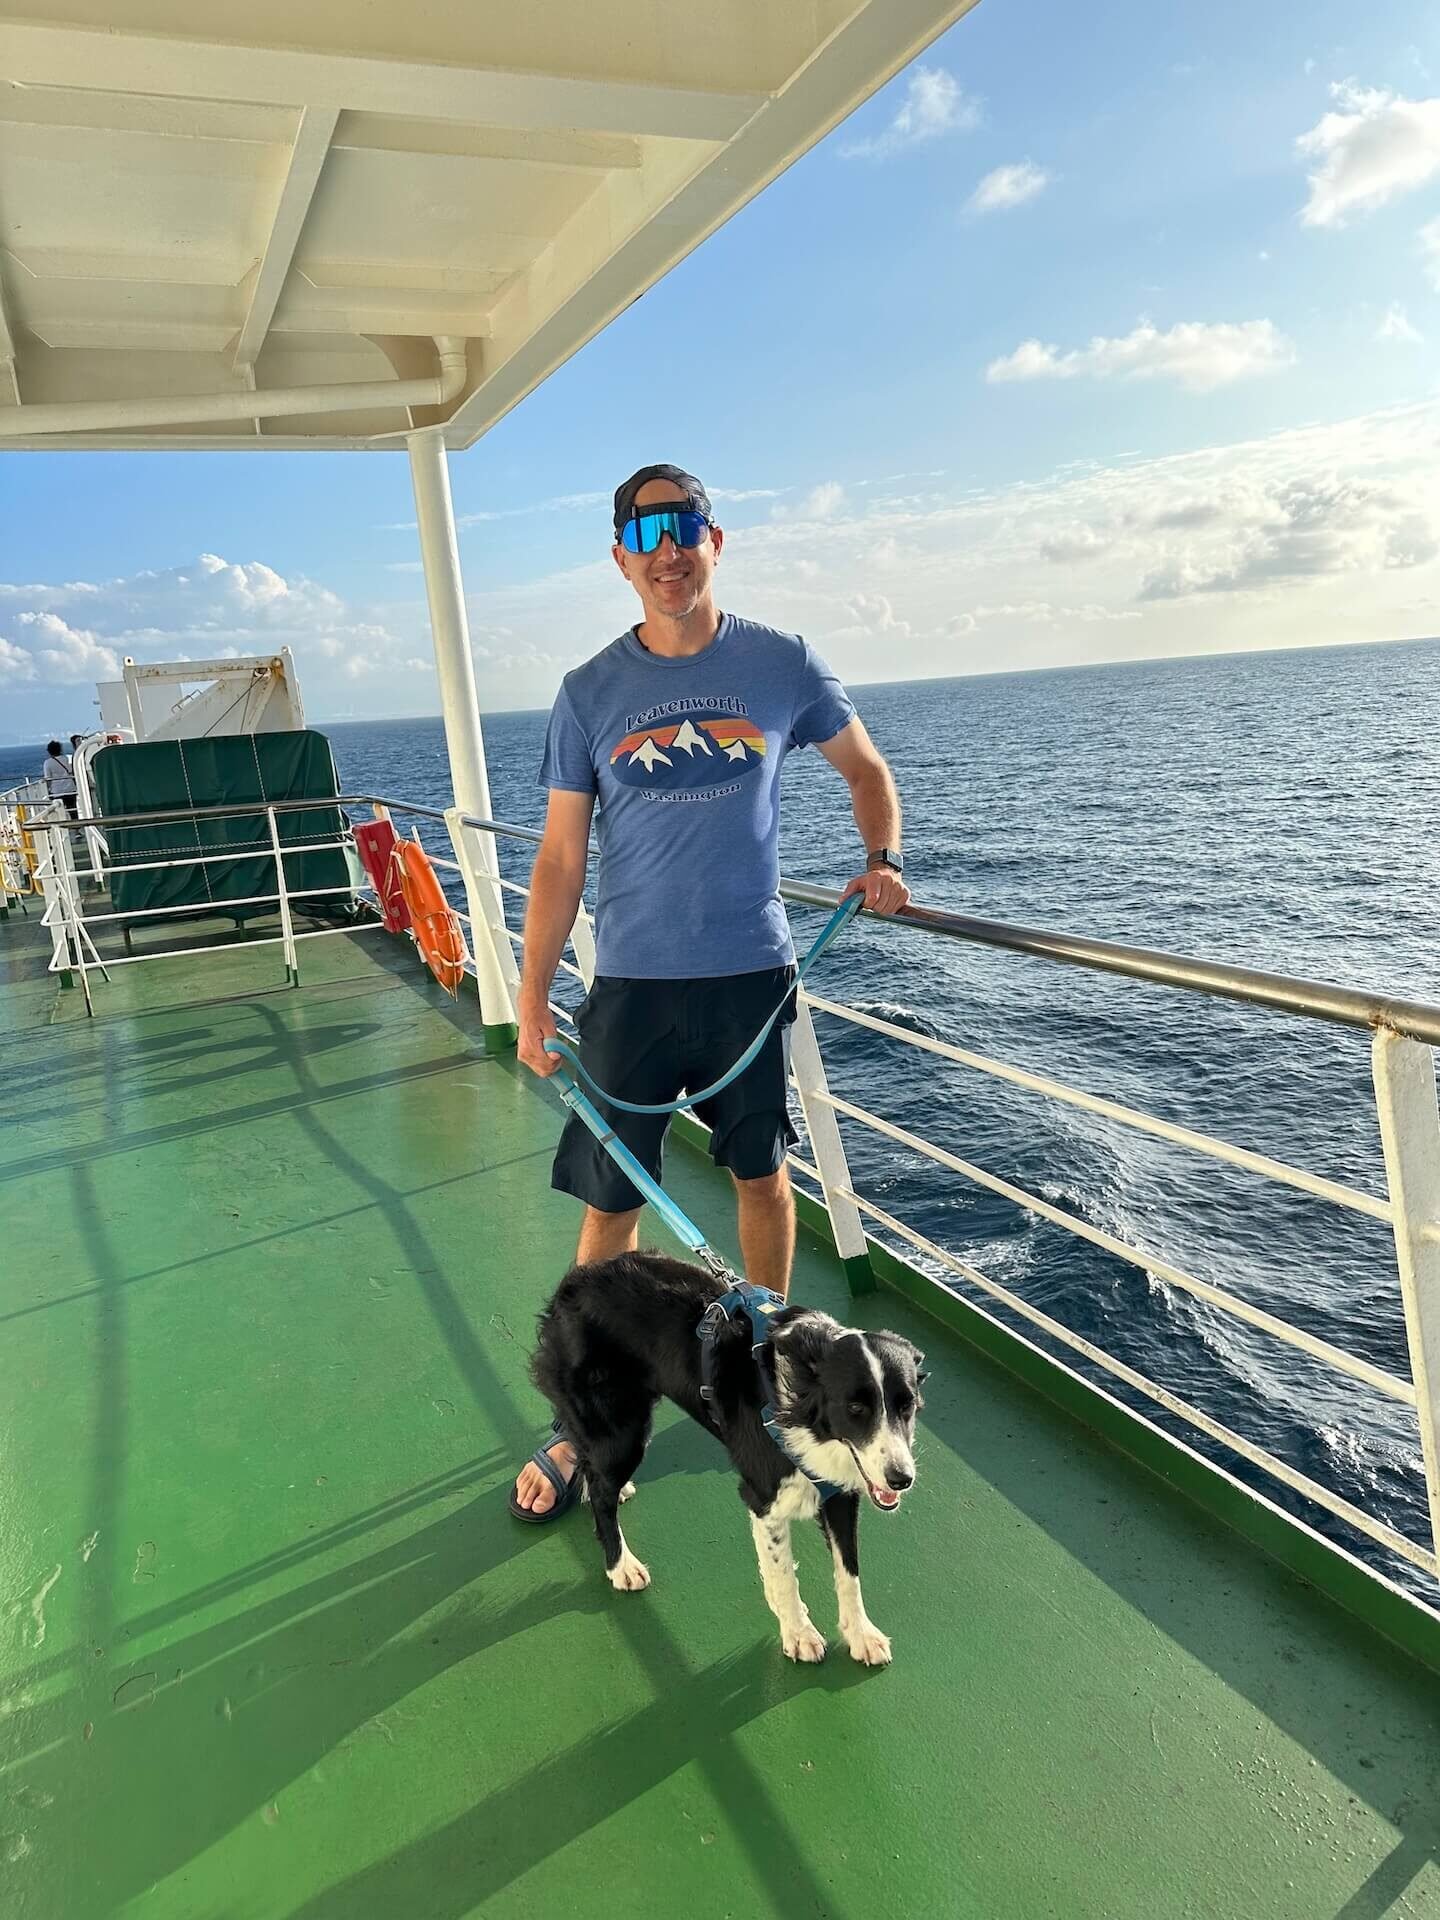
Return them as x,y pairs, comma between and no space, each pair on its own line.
767,1230
602,1236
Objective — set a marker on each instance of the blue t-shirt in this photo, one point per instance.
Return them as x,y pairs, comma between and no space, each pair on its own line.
684,756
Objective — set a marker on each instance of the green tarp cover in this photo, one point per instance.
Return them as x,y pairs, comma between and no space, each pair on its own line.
226,771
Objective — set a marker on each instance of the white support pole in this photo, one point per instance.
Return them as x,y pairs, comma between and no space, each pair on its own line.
287,927
460,708
1410,1133
52,891
66,927
808,1070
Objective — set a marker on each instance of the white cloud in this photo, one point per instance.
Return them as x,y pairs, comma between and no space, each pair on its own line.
1072,544
1301,531
1373,148
1430,251
821,503
935,103
15,662
1397,325
1190,553
78,631
1045,613
1313,535
66,654
1006,187
1198,355
557,503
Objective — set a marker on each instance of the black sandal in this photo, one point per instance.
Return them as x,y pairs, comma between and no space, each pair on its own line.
567,1492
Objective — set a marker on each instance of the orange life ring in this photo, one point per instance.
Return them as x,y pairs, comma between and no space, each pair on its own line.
434,922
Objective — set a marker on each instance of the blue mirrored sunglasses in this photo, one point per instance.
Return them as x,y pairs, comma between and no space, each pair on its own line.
644,531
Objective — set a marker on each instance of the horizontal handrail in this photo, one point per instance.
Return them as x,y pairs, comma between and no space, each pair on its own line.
222,946
1311,999
1386,1383
255,850
207,909
1354,1198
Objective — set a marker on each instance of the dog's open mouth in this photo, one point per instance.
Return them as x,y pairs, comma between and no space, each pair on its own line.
883,1497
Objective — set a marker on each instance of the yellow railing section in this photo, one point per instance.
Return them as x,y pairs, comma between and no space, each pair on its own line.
19,856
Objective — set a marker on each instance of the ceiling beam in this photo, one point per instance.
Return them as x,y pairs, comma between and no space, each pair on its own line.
62,56
176,119
388,133
179,269
307,159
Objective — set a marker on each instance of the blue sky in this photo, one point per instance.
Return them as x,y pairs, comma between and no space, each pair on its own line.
1218,228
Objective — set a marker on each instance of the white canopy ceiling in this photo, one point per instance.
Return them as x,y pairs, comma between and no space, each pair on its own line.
218,199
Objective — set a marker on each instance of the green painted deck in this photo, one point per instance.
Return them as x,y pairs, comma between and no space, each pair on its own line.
272,1645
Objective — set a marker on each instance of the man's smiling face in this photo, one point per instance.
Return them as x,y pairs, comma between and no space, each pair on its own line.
672,581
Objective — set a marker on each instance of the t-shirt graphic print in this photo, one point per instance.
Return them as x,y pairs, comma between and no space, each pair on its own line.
709,748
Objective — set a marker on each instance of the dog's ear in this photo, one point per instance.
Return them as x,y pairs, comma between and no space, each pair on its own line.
797,1348
906,1347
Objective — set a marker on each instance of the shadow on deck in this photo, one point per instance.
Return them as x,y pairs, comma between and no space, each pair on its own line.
273,1645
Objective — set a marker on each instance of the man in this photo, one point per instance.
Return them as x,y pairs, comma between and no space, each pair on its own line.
678,729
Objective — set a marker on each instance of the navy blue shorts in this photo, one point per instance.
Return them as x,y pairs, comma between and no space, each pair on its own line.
652,1040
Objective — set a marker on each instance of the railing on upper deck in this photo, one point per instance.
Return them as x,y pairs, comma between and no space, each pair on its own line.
1404,1032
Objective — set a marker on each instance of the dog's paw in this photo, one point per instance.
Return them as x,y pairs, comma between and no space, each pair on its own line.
868,1645
804,1643
627,1492
628,1575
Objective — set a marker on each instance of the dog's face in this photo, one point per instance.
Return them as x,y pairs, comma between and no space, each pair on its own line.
850,1401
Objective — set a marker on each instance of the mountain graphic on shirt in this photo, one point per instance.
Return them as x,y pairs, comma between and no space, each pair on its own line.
705,749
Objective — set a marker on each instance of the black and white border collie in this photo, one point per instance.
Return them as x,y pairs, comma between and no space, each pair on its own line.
619,1334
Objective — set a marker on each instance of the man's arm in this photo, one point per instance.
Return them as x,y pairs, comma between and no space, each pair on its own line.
556,884
856,758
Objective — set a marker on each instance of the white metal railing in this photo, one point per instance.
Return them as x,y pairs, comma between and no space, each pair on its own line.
72,926
1403,1076
1410,1125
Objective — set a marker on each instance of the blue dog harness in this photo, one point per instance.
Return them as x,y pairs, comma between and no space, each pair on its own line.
757,1304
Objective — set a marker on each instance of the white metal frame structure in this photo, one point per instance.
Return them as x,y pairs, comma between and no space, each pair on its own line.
250,224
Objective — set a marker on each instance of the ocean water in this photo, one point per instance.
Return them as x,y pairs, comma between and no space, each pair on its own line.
1278,810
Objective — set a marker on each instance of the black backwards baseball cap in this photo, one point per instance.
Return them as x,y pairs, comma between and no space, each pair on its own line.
686,483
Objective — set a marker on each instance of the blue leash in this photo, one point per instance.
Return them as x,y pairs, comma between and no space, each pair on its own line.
581,1105
756,1302
845,912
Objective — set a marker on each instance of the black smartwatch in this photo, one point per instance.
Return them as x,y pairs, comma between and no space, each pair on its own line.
886,857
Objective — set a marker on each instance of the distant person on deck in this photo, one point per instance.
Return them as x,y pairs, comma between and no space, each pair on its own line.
59,780
677,732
